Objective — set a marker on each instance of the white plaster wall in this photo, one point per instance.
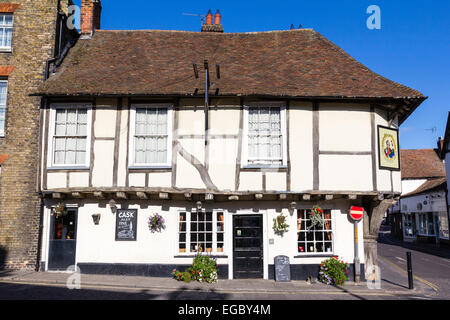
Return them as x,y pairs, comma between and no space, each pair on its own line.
102,173
275,181
345,172
78,179
56,180
105,118
225,121
344,127
300,145
222,162
250,181
136,180
160,179
411,185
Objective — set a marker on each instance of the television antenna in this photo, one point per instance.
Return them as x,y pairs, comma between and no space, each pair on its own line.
202,17
433,130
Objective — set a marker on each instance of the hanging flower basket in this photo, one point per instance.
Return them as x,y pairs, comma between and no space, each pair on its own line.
279,224
316,217
156,223
59,210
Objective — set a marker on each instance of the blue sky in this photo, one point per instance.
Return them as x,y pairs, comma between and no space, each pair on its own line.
412,47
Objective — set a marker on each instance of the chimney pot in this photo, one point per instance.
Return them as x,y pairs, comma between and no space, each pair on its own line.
217,17
209,17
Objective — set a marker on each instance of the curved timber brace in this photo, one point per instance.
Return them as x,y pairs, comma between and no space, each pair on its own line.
371,225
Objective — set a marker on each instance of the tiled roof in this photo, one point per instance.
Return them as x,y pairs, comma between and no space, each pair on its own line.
428,185
421,163
294,63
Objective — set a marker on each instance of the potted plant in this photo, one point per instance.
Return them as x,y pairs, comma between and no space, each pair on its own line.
316,217
333,271
279,224
156,223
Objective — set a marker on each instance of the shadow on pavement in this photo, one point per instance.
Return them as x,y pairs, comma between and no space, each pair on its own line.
14,291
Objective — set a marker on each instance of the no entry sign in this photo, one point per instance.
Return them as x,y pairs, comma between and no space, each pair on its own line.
356,213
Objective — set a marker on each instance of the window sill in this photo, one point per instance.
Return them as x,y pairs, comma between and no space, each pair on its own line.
156,167
263,167
67,168
317,255
210,254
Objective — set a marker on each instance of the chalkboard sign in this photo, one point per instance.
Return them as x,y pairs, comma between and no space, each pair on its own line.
126,224
282,269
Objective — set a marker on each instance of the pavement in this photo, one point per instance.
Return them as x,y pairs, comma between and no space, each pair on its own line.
393,283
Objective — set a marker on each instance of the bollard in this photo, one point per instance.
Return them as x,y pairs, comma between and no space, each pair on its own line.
409,267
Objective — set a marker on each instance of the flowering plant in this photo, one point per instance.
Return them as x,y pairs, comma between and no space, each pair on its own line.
59,210
156,223
333,271
204,269
279,224
316,217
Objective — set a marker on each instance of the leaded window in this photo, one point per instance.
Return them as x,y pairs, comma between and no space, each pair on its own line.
6,30
318,239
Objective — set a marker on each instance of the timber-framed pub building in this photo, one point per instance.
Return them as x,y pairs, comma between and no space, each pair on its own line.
220,134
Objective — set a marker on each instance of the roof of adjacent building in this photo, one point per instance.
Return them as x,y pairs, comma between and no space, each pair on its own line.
429,185
294,63
421,164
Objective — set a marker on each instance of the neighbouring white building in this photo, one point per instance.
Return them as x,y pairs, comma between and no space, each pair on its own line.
219,133
421,212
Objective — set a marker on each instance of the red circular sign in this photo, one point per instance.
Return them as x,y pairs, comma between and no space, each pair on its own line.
356,213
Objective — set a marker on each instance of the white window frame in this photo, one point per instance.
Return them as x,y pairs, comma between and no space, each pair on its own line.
5,48
214,233
131,151
3,130
321,253
244,159
52,126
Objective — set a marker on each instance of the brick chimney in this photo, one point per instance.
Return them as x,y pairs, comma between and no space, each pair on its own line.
90,17
209,26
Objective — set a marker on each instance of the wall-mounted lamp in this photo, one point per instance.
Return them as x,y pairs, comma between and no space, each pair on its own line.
96,218
199,205
112,204
292,207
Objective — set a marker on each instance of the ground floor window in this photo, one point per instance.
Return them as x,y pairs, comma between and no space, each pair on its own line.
426,224
316,239
408,224
201,232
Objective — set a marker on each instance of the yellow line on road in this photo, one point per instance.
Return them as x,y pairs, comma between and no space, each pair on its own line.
433,286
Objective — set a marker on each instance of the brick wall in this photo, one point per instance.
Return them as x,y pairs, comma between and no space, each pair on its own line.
33,42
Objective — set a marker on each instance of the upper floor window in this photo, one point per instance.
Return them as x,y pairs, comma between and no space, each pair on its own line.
151,135
6,30
70,135
3,99
264,135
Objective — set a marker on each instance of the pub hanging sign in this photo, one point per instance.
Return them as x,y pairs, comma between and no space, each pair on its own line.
126,224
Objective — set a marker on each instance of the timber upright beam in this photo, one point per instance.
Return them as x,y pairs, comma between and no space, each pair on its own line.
371,226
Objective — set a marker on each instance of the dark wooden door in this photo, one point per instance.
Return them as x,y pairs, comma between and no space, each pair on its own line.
247,247
62,241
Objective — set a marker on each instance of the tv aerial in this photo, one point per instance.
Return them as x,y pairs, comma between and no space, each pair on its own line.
201,16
